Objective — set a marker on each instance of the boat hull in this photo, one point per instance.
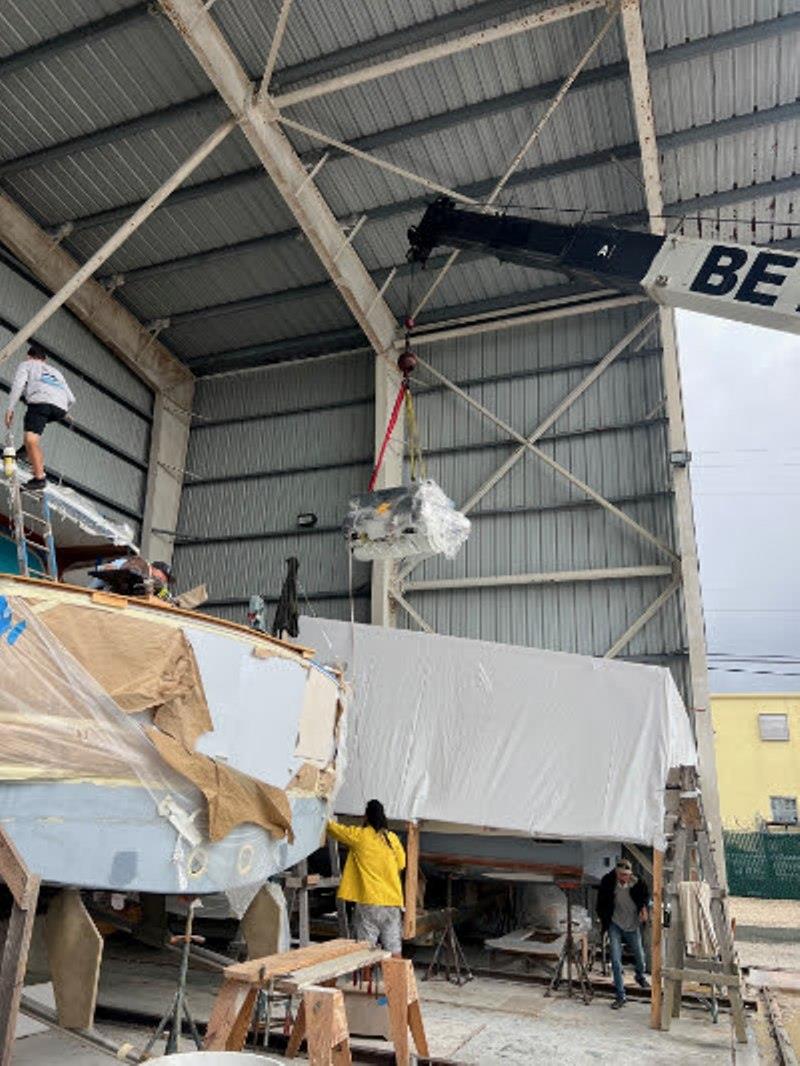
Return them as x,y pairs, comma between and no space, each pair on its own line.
113,838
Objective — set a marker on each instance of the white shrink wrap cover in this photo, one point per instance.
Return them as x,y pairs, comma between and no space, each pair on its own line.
510,738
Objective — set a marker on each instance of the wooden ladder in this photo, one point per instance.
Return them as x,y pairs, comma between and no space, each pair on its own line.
690,856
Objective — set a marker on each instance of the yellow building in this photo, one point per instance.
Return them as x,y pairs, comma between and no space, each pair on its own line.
758,758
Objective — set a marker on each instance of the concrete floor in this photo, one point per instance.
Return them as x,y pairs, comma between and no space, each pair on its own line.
487,1022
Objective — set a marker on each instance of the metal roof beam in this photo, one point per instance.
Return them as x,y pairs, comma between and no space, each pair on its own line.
584,300
469,43
444,120
314,216
343,340
64,42
575,164
689,209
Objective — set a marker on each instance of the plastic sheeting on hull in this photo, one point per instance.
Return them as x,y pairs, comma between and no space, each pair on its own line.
517,739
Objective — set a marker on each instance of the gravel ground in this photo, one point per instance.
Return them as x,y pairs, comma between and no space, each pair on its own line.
784,913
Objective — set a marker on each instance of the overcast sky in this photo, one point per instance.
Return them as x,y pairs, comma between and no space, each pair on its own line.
741,388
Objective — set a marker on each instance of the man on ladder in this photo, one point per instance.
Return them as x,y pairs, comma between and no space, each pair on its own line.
48,398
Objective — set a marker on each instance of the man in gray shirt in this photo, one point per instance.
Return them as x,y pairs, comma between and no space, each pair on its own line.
48,398
622,908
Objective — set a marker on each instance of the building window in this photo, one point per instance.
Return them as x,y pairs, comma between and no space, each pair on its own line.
773,726
784,809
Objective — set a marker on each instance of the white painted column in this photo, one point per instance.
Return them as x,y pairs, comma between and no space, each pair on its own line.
387,382
169,443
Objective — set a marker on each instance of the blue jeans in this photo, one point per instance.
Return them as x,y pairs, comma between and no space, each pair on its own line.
616,936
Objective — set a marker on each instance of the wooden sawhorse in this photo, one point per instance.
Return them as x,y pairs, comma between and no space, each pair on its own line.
306,972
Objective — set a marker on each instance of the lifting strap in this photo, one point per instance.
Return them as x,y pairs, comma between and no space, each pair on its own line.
401,393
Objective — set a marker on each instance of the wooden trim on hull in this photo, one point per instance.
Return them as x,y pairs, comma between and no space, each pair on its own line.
106,599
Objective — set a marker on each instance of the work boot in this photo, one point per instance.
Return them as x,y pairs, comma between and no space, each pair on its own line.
36,484
618,1004
642,982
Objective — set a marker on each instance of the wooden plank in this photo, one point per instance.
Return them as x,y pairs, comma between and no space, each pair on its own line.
326,1024
74,952
67,592
303,914
257,971
435,858
330,969
13,869
411,881
395,979
656,940
262,924
13,964
703,977
298,1034
418,1029
336,872
241,1025
227,1007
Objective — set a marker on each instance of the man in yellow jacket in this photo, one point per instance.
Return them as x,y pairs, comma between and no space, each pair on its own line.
371,878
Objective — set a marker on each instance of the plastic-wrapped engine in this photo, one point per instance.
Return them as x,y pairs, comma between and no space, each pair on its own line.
400,523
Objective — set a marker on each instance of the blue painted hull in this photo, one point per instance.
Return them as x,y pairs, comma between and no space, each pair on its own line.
113,838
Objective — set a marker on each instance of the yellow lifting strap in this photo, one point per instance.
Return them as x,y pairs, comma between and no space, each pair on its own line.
416,460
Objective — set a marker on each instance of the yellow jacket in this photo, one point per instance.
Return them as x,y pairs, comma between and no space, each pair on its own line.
372,871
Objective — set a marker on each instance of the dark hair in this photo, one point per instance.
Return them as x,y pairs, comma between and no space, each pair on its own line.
35,352
375,816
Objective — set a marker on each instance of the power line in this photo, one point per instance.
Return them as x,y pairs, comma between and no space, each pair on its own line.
743,670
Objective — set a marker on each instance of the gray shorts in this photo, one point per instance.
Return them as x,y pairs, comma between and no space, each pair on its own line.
381,926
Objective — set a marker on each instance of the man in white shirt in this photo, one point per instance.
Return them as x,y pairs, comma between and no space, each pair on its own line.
48,398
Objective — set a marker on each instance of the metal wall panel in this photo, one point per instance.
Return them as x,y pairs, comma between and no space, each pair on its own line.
112,406
64,335
303,415
283,443
335,379
331,426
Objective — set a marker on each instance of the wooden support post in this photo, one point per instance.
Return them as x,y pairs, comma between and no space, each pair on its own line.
24,888
404,1010
656,942
326,1025
412,881
336,872
303,920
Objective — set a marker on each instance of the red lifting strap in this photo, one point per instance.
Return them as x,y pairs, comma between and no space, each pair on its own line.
398,403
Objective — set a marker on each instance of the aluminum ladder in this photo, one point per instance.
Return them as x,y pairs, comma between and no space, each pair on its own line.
24,507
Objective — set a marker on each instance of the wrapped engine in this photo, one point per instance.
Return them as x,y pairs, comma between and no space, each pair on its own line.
399,523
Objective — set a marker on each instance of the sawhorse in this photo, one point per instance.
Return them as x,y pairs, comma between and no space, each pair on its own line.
315,969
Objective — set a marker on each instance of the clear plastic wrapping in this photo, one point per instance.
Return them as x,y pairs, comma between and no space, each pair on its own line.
400,523
101,781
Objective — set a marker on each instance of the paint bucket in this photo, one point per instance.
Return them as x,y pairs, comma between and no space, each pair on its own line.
214,1058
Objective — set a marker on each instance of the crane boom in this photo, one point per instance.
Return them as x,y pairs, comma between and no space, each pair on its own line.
735,281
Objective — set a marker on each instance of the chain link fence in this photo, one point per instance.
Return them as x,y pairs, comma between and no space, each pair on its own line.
763,864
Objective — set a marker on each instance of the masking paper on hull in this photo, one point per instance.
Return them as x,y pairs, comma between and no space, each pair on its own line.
504,737
118,699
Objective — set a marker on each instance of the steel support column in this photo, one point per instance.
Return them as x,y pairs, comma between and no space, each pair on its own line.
690,574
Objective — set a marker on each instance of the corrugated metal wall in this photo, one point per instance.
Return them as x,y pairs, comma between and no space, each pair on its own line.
105,455
285,440
267,446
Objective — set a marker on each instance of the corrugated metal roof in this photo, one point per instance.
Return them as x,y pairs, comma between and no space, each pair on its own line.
142,67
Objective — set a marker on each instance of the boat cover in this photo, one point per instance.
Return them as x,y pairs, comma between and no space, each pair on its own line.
509,738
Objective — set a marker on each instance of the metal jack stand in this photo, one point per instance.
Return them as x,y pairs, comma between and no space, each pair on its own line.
569,956
454,961
179,1007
